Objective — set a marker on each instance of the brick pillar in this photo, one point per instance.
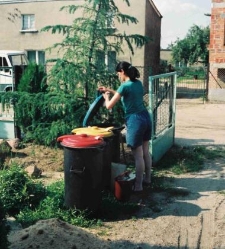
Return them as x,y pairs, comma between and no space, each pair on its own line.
216,46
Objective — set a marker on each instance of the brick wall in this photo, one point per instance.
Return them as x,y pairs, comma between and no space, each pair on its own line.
217,51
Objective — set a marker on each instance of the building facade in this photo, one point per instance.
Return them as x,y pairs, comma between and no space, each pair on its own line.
22,21
216,84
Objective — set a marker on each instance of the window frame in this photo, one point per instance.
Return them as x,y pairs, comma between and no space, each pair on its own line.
37,55
30,26
106,60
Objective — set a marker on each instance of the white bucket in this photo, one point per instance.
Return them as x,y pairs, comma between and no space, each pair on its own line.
116,169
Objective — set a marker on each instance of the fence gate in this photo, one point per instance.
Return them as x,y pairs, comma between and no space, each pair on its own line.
191,82
162,96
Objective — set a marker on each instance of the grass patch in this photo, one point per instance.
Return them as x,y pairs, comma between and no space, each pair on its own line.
179,160
161,182
53,207
113,209
28,200
222,192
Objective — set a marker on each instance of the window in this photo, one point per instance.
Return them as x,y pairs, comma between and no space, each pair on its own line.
108,60
37,57
106,21
221,74
28,22
3,62
111,61
18,59
100,59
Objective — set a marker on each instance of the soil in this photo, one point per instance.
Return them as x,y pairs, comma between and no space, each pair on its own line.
193,219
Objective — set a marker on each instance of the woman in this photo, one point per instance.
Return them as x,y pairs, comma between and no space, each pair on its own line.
137,119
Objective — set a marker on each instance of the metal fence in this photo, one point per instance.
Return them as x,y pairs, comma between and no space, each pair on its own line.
191,82
162,96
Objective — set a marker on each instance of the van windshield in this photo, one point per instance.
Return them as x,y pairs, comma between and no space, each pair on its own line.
18,59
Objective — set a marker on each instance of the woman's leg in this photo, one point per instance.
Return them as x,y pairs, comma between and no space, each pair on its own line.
139,167
148,161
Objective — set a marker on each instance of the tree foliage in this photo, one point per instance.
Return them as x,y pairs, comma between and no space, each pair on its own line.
33,80
76,72
193,48
87,42
4,230
18,190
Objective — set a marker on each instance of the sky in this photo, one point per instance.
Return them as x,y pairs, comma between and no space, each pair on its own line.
179,16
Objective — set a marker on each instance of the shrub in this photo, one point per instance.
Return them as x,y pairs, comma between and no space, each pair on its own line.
18,190
33,79
3,228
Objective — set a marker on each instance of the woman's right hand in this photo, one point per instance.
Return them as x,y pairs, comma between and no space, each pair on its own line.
106,95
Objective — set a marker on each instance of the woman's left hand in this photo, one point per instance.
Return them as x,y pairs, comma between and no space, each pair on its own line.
102,89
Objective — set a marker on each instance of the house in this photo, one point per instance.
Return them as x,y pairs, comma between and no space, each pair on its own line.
216,84
166,61
22,21
166,55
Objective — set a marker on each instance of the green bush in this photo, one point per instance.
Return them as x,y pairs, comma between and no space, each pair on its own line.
3,228
53,207
33,79
18,190
43,117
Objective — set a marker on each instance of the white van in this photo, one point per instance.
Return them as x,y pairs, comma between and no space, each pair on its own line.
12,65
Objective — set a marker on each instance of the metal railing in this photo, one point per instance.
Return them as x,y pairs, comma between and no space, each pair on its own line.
191,82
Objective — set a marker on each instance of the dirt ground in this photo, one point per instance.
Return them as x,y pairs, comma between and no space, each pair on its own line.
194,221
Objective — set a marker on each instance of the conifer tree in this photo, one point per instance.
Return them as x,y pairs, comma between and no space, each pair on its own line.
87,39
